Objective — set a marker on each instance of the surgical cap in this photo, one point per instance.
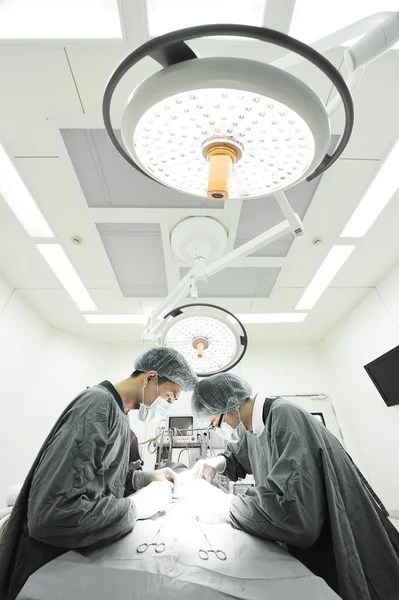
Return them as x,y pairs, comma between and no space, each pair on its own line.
219,394
168,363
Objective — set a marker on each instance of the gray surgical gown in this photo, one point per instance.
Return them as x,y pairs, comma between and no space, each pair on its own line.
310,497
73,496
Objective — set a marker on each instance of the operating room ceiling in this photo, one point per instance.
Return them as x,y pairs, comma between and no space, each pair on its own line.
51,125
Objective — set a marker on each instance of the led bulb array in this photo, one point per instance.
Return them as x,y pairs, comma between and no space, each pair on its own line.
222,343
278,144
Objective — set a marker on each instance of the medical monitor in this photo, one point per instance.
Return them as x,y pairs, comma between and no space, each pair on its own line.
181,422
384,373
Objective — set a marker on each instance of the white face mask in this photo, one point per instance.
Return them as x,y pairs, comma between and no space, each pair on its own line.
161,407
226,431
147,413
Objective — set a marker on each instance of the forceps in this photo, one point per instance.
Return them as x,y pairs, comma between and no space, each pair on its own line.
204,554
159,547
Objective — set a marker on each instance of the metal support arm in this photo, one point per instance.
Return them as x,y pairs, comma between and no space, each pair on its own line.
373,44
338,38
183,289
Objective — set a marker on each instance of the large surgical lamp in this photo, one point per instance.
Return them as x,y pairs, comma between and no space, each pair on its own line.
231,128
226,127
211,338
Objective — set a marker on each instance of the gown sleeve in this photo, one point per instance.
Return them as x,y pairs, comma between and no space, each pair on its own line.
237,461
70,505
289,507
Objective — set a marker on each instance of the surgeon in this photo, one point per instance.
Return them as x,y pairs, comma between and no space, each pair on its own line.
78,491
308,494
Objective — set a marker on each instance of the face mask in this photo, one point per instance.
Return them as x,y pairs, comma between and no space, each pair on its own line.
226,431
161,407
147,413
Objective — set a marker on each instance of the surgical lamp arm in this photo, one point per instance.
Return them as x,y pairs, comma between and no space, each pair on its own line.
372,45
338,38
375,43
180,292
267,237
155,322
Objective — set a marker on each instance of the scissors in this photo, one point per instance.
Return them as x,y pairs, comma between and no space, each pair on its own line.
159,546
204,554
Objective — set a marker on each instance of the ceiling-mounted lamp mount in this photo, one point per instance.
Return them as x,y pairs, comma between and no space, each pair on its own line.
273,130
211,338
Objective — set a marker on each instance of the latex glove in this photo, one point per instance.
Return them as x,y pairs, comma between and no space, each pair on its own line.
141,479
152,499
207,469
207,503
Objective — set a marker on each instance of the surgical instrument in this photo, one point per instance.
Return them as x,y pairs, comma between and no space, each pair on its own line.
158,546
204,554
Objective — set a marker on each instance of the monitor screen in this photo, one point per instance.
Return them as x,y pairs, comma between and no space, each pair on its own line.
320,417
384,373
182,423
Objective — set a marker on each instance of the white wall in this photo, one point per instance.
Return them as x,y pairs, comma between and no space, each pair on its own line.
66,365
371,329
23,335
41,370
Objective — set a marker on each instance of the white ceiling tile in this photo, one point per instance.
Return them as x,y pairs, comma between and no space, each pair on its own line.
376,109
339,193
38,82
314,77
235,282
135,253
234,305
107,180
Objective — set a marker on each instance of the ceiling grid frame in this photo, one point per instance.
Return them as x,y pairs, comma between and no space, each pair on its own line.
124,39
90,214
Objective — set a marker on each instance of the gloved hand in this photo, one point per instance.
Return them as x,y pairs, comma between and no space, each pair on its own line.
141,479
207,503
207,469
152,499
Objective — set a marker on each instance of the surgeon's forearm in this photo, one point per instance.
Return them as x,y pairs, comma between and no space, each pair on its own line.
274,519
80,523
141,479
129,488
234,470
